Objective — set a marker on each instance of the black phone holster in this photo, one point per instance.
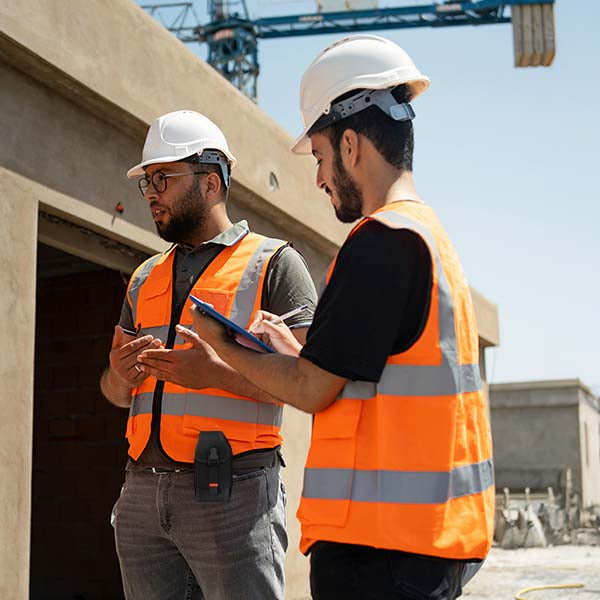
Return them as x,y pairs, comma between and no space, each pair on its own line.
213,473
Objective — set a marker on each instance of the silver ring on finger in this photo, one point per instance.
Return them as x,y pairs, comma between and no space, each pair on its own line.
137,368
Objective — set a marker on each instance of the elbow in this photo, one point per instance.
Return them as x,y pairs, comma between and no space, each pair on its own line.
322,404
314,403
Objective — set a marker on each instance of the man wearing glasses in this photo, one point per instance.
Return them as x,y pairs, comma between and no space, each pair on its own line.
201,514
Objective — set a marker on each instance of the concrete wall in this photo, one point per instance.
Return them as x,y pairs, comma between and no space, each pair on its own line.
79,88
125,81
18,232
539,430
589,428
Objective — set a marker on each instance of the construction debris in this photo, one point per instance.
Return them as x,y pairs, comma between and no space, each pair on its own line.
537,520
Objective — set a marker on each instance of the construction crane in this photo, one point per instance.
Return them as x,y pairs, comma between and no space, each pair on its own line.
232,36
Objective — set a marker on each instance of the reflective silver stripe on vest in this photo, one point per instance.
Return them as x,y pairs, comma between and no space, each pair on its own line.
212,407
447,379
412,380
138,281
446,306
245,296
398,487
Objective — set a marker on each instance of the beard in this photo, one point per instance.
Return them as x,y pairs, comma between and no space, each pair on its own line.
187,218
349,195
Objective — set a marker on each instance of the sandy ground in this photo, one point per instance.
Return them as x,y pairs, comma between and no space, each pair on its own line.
506,572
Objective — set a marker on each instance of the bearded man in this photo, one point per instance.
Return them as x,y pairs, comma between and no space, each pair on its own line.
398,496
201,514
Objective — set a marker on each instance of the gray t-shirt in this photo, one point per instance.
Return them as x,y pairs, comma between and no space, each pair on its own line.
288,284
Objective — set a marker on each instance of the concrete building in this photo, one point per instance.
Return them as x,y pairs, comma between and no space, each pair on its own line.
78,89
542,428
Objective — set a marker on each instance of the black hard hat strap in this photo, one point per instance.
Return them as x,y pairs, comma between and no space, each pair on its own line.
382,99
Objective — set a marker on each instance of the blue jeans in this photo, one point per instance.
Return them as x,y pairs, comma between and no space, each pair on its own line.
170,546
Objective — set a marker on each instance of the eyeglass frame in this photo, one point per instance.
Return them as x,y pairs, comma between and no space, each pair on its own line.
165,176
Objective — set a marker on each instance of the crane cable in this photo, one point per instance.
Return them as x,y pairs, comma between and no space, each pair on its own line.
547,587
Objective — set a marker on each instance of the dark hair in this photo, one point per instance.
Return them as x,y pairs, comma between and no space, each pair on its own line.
394,140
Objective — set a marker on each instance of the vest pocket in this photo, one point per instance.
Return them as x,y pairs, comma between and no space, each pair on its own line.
340,420
153,303
329,474
220,301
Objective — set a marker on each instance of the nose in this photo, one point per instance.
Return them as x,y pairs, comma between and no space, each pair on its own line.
150,194
320,181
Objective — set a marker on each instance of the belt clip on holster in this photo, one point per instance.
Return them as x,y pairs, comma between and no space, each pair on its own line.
213,473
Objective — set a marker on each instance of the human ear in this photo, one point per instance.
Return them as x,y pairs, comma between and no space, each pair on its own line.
349,146
213,186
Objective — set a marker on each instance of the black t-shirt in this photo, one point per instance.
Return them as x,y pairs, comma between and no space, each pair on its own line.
375,305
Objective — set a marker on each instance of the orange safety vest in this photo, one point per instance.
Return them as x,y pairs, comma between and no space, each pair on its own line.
406,463
233,284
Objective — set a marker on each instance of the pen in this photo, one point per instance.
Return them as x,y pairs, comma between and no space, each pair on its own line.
131,331
289,313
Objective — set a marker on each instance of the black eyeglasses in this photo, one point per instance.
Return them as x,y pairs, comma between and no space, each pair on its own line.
159,180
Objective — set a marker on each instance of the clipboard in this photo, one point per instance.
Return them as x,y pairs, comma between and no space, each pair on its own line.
234,328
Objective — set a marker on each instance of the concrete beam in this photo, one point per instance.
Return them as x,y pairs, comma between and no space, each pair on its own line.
486,313
157,74
557,392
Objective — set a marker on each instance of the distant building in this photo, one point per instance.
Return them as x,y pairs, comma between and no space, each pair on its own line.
542,428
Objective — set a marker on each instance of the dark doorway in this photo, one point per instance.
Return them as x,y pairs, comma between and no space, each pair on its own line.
79,449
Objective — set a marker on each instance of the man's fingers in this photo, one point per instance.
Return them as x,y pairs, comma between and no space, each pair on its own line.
260,317
136,372
268,328
188,335
154,372
155,355
118,338
136,346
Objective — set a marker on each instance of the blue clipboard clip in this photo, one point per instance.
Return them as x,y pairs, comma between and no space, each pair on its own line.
234,328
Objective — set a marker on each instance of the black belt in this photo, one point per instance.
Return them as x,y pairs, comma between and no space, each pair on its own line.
242,463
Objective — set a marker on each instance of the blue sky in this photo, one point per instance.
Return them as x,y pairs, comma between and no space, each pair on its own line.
509,159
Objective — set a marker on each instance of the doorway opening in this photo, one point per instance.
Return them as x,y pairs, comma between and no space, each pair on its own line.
79,448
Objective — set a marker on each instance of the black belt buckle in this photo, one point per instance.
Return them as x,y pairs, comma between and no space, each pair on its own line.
213,474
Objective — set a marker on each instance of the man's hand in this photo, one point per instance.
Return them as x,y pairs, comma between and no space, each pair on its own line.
122,375
123,356
196,367
274,332
210,330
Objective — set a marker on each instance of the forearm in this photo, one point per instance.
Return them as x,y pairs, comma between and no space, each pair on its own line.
114,389
281,377
229,379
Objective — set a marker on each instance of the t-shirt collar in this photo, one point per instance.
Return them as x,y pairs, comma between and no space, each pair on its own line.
226,238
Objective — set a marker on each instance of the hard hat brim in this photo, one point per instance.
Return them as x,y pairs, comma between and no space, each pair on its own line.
302,144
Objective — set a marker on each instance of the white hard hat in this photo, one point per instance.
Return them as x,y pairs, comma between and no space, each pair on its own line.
178,135
355,62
